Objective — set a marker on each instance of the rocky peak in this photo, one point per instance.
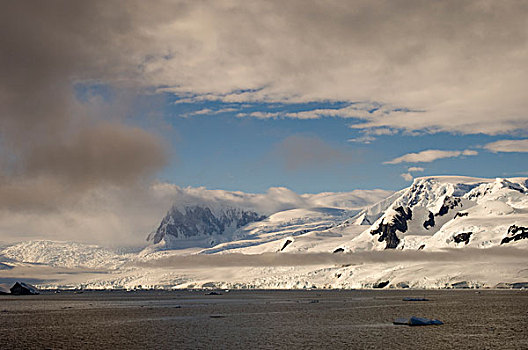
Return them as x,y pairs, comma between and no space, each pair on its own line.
193,221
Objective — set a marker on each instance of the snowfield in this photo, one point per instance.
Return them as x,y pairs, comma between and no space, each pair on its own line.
441,232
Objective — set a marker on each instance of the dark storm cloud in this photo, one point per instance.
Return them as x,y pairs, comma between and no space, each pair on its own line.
51,145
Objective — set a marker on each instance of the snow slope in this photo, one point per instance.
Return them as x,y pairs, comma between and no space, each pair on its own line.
61,254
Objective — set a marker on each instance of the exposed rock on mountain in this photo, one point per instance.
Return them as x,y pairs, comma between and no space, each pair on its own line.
462,237
430,222
198,221
424,214
387,231
515,233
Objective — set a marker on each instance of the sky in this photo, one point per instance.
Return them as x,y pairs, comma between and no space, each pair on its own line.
102,101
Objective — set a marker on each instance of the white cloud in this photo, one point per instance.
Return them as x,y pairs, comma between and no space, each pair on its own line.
260,115
382,131
428,156
508,146
208,111
439,66
462,64
407,176
415,169
363,139
202,112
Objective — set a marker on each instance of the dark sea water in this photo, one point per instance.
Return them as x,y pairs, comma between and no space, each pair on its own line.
487,319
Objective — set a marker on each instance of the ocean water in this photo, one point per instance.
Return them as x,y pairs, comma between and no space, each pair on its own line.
484,319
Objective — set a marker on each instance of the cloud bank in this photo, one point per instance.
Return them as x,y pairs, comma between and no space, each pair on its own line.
508,146
435,66
53,146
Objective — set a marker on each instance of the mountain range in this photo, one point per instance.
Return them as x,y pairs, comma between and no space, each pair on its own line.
440,232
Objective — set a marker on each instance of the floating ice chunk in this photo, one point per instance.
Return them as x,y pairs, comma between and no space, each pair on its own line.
417,321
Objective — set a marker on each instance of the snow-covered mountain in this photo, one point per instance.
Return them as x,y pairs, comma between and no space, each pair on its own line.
199,222
441,232
207,218
441,212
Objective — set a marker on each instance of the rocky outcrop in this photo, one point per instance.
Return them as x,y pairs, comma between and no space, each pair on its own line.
430,222
387,231
515,233
449,204
287,243
462,237
381,284
192,221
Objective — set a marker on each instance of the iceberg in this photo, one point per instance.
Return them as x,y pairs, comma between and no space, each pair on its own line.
417,321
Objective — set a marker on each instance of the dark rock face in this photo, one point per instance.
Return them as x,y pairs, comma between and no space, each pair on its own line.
197,220
387,231
515,233
430,222
462,237
21,288
513,186
449,203
459,215
287,243
381,284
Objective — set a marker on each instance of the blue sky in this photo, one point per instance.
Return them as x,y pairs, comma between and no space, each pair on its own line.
219,149
318,97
